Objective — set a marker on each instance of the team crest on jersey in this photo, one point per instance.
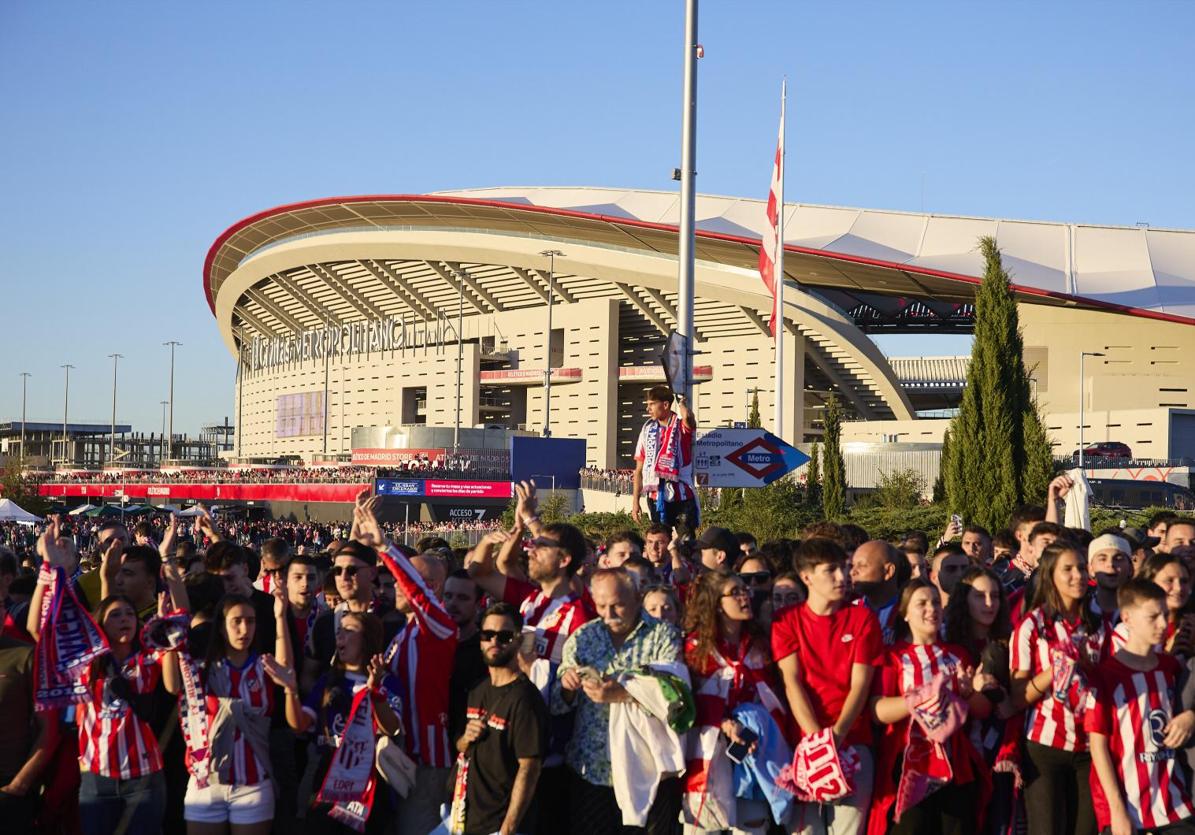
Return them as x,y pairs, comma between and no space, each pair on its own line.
253,684
1157,721
551,620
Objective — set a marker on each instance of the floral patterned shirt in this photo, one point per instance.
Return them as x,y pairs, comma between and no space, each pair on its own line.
650,642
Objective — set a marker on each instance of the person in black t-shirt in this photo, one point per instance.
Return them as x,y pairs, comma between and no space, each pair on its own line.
506,735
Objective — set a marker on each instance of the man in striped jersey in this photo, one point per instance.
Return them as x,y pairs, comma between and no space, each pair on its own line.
1136,726
551,611
421,656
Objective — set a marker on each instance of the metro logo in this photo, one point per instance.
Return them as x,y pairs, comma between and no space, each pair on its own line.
758,458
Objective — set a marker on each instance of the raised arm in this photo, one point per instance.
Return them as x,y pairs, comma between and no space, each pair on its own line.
479,562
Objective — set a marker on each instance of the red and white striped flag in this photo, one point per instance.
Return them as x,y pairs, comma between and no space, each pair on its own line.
769,251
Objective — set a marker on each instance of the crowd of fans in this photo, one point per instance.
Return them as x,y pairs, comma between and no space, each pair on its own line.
448,468
607,480
543,682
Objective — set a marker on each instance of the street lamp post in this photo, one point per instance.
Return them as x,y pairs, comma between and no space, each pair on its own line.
170,437
112,436
25,375
1083,398
688,199
66,399
460,357
551,256
162,442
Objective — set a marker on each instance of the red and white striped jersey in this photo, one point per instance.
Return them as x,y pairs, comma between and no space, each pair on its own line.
255,689
553,618
113,741
1132,708
421,656
1056,719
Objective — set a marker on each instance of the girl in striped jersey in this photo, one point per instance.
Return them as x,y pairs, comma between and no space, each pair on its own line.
1054,650
238,693
949,791
119,758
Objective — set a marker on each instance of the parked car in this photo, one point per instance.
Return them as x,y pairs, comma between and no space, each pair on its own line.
1104,449
1130,494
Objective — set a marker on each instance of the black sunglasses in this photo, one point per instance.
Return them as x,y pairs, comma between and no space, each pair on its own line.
755,578
346,570
502,636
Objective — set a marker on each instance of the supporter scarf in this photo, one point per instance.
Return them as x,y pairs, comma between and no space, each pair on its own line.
668,455
349,783
936,714
819,773
456,814
70,641
170,633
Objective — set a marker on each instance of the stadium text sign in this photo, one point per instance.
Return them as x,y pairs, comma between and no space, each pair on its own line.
392,333
743,458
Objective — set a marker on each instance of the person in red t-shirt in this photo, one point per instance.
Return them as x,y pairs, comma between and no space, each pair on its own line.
1136,725
827,652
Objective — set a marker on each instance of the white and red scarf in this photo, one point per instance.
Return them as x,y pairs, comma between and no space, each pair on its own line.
936,714
69,642
166,633
819,772
709,801
667,462
349,784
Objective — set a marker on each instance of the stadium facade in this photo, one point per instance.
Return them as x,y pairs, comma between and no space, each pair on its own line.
352,313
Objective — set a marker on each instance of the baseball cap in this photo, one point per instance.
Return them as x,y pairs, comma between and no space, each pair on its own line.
1138,537
1106,541
719,539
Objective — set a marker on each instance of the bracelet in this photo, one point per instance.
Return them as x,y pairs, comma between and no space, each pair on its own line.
1033,684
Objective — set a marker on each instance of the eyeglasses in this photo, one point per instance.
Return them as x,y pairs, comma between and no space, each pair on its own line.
349,571
502,636
755,578
741,591
544,542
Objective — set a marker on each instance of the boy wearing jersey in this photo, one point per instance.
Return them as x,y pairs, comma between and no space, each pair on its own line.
828,652
1136,726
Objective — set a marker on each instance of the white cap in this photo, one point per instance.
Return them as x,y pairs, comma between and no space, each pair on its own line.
1103,543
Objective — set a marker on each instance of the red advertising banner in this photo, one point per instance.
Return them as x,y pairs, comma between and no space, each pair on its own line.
213,492
394,457
466,489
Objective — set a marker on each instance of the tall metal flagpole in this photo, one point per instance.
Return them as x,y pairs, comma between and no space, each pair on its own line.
25,375
460,357
170,437
778,276
688,199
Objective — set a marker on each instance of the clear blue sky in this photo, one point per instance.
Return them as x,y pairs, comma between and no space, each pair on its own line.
134,133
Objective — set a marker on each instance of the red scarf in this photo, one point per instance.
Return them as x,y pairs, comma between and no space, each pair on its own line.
70,641
349,783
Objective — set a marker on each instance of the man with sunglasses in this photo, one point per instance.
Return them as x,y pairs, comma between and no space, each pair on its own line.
506,736
353,568
551,611
275,554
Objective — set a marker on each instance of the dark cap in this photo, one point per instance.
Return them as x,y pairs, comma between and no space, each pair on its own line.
719,539
1139,538
358,551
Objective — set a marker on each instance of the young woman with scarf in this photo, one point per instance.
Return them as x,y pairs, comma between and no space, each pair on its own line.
730,661
227,734
119,757
977,618
358,666
1054,650
929,777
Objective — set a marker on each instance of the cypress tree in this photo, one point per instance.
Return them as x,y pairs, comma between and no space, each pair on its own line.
997,454
813,478
753,420
833,468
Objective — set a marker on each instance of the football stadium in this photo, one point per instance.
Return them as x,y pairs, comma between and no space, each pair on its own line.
540,309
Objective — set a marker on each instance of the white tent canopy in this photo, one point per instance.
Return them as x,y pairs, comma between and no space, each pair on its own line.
81,509
10,511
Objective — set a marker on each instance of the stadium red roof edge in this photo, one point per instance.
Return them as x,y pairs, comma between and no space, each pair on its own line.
663,227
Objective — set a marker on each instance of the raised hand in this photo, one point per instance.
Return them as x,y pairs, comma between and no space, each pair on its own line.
377,671
283,676
280,602
365,519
